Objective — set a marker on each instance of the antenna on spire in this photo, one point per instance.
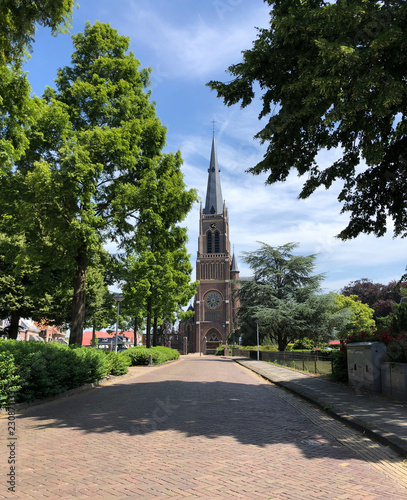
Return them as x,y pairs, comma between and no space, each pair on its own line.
213,126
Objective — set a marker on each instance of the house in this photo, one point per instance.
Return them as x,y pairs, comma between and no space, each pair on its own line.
37,331
106,339
51,333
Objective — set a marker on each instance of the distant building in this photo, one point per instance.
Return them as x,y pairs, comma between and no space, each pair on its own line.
37,331
216,271
106,339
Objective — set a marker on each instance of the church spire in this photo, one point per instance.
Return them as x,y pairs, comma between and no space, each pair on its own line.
214,202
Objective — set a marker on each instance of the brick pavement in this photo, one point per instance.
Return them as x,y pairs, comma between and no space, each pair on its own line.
376,415
199,428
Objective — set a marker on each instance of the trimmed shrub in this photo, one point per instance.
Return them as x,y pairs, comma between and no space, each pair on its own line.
140,355
47,369
117,363
220,351
339,366
261,348
9,378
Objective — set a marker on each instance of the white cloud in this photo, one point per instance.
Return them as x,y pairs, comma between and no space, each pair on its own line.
191,47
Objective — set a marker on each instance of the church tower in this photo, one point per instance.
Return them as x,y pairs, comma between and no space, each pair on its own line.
216,269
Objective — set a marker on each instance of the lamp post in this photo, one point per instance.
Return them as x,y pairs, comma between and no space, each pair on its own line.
258,355
118,299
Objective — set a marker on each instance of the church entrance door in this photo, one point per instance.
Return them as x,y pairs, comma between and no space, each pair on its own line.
213,340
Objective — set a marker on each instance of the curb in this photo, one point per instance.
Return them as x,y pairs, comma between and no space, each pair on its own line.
385,438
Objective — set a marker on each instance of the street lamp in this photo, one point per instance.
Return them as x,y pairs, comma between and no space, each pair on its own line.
118,299
258,354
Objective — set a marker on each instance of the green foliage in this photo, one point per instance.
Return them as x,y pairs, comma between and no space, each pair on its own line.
220,350
397,350
261,348
339,366
17,108
360,315
282,298
304,343
19,20
47,369
98,169
117,363
140,355
332,76
9,378
399,320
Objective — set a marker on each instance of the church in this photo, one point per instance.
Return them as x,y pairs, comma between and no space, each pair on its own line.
216,271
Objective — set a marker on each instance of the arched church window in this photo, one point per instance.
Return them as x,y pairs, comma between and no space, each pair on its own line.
216,241
209,242
213,337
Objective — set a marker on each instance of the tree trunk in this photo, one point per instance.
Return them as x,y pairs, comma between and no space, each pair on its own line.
155,332
282,342
148,327
79,298
135,331
94,337
14,321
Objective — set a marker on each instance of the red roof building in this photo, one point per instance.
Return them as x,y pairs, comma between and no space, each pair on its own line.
87,336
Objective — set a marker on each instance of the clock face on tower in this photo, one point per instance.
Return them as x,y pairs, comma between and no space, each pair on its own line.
213,300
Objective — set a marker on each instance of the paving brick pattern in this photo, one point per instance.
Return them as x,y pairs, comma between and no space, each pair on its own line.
377,415
198,428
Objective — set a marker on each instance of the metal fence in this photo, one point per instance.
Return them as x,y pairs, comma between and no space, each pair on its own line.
315,362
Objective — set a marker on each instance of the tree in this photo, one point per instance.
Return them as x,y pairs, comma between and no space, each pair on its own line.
282,296
366,291
332,76
100,305
159,266
361,318
91,151
18,25
381,298
17,30
29,288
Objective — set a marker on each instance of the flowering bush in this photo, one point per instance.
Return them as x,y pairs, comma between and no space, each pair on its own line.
396,343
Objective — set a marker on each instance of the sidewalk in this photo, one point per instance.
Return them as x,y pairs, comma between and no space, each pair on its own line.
377,416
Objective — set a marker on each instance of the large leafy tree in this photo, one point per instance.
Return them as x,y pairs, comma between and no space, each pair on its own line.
17,32
27,285
333,75
281,298
361,315
158,269
91,151
19,21
381,298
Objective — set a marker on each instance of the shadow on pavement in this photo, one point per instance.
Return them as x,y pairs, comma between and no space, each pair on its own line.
251,413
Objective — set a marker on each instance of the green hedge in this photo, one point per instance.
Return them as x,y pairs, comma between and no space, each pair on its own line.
46,369
9,378
117,363
261,348
339,366
37,370
140,355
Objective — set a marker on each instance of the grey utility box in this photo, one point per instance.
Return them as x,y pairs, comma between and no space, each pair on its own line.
364,359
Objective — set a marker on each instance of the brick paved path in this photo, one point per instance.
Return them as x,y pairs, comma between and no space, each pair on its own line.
199,428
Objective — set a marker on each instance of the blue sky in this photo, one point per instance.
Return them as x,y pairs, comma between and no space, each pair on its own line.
187,44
